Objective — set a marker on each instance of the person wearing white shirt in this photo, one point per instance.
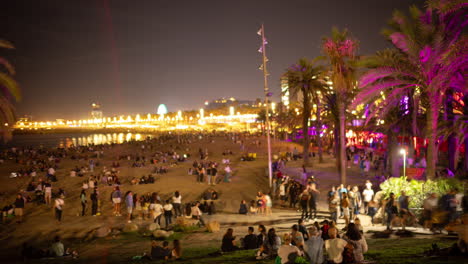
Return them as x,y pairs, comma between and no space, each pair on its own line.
59,202
286,249
335,246
176,202
57,247
168,213
156,210
367,194
197,214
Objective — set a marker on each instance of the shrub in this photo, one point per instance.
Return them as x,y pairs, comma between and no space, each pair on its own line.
418,190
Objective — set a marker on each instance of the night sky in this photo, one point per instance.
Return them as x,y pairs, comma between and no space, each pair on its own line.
132,55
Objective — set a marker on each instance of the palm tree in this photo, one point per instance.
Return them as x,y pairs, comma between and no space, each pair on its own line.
10,91
340,50
435,54
303,78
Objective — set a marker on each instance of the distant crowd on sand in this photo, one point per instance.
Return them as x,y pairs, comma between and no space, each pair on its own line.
323,240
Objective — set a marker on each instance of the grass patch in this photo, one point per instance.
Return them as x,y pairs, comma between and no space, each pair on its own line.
406,251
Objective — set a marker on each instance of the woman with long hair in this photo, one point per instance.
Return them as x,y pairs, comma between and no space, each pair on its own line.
176,252
228,243
354,237
270,246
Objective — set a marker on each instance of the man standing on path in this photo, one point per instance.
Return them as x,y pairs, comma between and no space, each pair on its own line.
19,207
129,203
59,202
94,203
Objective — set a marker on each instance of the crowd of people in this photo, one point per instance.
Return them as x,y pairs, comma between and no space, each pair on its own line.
319,243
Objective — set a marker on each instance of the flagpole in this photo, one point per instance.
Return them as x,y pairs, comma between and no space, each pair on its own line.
266,90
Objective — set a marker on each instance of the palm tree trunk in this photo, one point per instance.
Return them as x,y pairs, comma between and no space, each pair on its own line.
319,131
342,149
414,126
431,135
393,154
336,146
451,140
305,126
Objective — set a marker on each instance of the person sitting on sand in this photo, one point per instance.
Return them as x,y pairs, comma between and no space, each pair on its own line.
228,243
253,209
243,208
176,252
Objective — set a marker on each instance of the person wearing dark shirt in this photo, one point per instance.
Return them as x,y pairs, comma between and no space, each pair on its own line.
303,229
243,208
228,243
19,206
250,240
261,237
158,252
94,203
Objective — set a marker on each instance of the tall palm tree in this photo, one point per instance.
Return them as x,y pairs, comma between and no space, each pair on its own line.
340,50
303,78
9,91
435,55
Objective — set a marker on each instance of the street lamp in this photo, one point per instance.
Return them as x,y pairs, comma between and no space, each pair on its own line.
403,152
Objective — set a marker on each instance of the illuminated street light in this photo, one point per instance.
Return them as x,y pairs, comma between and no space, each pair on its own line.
403,152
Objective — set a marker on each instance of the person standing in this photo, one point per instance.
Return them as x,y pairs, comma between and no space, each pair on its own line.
214,172
176,202
59,203
303,202
19,207
83,202
403,203
48,193
390,209
333,206
168,213
345,205
116,197
156,211
227,173
94,203
313,194
129,204
282,193
368,194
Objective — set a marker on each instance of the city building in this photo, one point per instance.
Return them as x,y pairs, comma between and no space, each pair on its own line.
96,112
287,97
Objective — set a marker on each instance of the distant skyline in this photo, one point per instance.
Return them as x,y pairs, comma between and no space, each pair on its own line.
131,56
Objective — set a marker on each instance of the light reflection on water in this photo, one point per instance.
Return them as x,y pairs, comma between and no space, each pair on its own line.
98,139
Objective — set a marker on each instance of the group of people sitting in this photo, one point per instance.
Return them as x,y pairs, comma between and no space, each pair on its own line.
143,180
316,244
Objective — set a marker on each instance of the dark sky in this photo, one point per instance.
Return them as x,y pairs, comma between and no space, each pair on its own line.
132,55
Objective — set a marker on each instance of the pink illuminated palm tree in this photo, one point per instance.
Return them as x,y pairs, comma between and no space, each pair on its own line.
430,58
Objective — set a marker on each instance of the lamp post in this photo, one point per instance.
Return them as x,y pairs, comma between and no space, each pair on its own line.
403,152
263,67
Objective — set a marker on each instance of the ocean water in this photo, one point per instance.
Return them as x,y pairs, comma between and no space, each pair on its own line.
65,140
